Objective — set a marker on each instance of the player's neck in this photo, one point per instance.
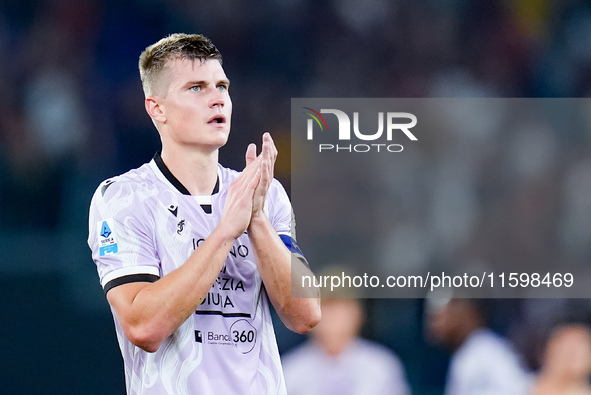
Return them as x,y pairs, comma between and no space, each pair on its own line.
197,171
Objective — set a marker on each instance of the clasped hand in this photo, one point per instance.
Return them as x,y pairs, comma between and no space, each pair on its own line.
245,201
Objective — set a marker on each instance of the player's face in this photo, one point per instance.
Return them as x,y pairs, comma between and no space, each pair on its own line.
197,105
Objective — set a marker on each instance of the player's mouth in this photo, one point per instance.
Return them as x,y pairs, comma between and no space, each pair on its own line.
217,119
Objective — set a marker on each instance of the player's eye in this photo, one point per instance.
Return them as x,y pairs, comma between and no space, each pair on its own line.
222,88
195,88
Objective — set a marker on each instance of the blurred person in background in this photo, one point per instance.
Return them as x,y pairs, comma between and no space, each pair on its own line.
482,361
567,362
335,360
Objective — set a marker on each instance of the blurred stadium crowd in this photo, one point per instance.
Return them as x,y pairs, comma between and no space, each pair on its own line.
72,115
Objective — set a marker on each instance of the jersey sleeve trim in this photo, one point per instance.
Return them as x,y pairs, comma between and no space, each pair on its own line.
132,278
130,274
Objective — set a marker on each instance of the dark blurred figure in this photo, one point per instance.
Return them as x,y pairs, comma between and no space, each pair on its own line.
482,361
335,360
567,363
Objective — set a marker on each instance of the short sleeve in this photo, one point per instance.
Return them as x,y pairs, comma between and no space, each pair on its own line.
280,211
121,235
283,219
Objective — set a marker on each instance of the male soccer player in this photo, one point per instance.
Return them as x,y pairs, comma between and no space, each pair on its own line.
189,253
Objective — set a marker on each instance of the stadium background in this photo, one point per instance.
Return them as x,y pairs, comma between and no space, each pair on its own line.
72,115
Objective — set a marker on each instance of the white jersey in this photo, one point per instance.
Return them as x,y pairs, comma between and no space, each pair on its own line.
363,367
143,225
486,364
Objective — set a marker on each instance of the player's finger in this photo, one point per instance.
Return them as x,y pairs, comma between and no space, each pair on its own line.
269,140
250,171
265,171
246,175
266,150
253,183
251,153
267,137
272,154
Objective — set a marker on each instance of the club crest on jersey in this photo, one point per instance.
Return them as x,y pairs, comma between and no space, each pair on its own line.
106,238
180,226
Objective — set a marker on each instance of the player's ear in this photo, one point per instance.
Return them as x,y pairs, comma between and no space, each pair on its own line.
155,109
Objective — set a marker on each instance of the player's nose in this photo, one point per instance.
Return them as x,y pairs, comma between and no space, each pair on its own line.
217,99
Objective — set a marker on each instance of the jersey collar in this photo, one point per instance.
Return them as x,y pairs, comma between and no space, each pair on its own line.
174,181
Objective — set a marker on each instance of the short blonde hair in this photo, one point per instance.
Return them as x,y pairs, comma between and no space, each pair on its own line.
154,58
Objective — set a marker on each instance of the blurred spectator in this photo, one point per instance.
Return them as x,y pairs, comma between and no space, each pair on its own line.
567,363
337,361
482,362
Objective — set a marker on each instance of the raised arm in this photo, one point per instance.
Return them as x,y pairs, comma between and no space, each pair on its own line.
151,312
274,258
